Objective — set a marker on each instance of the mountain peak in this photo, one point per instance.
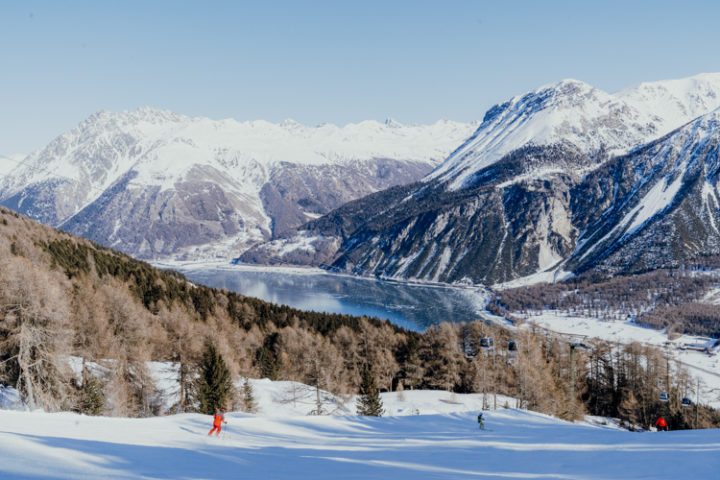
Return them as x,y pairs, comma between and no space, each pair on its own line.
674,102
291,124
568,87
573,112
144,114
392,123
567,84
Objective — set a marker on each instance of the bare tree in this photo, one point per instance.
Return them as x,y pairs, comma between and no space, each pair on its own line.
35,334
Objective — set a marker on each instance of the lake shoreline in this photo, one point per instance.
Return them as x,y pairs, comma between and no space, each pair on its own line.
409,304
303,270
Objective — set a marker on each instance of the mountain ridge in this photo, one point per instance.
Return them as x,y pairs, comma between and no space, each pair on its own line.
573,111
198,173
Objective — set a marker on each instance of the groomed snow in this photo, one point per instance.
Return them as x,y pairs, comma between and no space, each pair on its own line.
516,444
425,434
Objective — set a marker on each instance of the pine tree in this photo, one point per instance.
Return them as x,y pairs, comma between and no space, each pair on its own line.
186,386
92,398
267,357
369,402
249,405
214,388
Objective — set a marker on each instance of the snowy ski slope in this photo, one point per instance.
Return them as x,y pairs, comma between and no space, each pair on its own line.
516,444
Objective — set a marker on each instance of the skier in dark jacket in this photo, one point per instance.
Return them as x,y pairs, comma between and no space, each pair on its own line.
481,422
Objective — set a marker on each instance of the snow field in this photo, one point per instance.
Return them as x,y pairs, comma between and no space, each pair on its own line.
515,444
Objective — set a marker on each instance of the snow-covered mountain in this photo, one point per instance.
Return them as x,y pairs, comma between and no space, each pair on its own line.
571,112
656,207
533,188
9,162
155,183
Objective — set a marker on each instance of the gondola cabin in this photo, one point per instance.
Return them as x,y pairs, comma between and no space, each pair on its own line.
487,343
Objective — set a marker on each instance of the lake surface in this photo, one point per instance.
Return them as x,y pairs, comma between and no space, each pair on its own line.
408,305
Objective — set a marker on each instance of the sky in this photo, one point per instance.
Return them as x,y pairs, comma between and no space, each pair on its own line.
327,61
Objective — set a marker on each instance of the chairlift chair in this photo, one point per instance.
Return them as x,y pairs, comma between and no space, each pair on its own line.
512,350
470,351
467,347
580,345
487,343
686,402
664,397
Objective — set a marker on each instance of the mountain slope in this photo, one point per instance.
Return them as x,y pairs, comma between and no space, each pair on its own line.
8,163
115,318
664,207
197,187
515,198
654,207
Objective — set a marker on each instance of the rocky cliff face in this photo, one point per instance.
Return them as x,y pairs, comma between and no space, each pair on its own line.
508,224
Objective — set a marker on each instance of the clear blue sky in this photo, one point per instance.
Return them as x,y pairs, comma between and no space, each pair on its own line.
327,61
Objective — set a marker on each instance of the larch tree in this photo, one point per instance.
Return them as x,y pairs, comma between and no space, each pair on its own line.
35,335
440,355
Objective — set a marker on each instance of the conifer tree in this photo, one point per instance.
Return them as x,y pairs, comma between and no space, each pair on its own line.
214,388
267,357
249,405
369,402
92,398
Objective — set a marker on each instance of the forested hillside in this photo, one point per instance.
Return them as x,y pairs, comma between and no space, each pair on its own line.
63,297
681,300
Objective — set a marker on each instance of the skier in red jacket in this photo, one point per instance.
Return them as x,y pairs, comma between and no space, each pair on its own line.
218,420
661,424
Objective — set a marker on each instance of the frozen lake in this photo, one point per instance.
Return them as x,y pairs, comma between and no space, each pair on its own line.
411,306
